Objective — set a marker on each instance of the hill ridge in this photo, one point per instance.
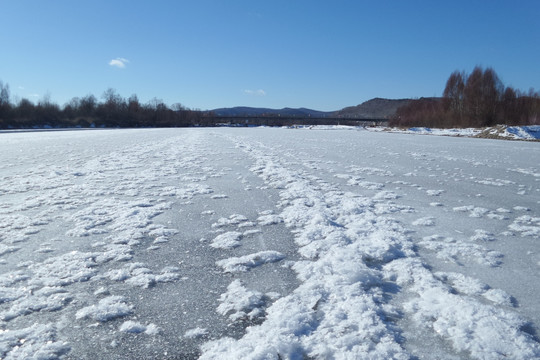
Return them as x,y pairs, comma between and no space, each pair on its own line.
378,108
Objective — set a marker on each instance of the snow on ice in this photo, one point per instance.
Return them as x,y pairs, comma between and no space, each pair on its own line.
108,308
321,244
246,262
239,302
228,240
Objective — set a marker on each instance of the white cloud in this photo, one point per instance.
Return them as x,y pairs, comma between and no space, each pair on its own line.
119,62
259,92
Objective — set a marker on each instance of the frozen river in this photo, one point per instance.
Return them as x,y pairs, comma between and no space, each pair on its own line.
268,244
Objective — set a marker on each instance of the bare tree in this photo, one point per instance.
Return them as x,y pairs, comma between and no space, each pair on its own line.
473,95
4,102
482,96
113,109
454,94
178,107
4,94
112,98
133,104
87,106
47,112
509,108
492,89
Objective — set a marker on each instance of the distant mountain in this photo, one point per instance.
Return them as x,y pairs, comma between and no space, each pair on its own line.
250,111
376,108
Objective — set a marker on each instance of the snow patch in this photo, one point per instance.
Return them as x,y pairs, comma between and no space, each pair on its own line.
482,330
196,333
450,249
240,303
37,342
107,309
136,274
425,221
244,263
526,225
228,240
134,327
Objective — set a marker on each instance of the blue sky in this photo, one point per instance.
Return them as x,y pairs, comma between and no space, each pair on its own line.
207,54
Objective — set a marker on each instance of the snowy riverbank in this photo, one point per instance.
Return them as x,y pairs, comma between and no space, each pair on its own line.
497,132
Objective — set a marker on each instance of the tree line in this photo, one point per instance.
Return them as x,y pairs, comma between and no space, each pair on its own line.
112,111
477,99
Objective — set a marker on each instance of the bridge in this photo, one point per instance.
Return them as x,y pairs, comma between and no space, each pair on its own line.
277,120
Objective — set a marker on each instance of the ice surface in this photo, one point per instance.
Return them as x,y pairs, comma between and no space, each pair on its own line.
267,244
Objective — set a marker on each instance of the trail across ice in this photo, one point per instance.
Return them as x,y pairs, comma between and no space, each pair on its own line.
354,255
